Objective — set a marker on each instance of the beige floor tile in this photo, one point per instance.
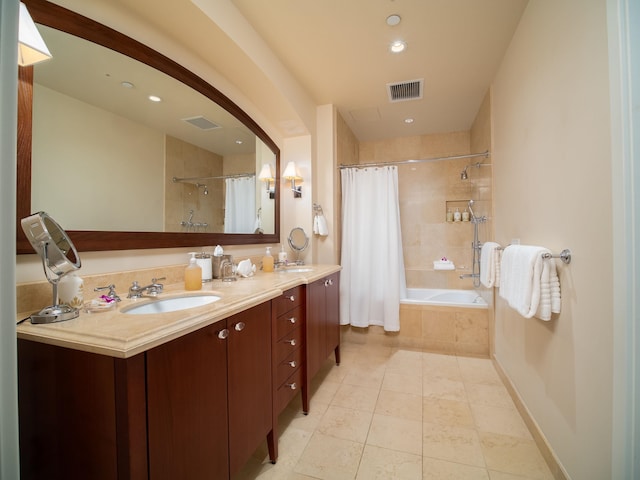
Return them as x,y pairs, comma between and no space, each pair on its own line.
478,370
504,421
447,412
365,375
405,362
323,392
444,388
383,464
356,397
455,444
402,383
330,458
396,434
494,475
493,395
434,469
514,455
397,404
441,366
345,423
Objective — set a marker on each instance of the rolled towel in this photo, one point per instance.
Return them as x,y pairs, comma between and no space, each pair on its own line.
489,267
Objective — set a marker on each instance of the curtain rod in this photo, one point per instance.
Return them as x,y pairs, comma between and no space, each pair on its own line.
403,162
193,179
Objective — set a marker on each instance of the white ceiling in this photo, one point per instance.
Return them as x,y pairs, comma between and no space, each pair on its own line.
337,51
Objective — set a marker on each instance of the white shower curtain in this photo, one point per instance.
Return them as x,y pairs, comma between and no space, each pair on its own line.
372,278
240,205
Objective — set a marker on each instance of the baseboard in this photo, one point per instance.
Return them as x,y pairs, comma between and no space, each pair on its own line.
549,456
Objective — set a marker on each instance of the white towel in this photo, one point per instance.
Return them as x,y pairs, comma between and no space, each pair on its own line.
520,278
490,264
550,300
322,228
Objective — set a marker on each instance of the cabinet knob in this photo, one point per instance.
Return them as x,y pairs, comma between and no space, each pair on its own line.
292,386
328,283
293,364
292,298
239,326
224,333
292,342
293,320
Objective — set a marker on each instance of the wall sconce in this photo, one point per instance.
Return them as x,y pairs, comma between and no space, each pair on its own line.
266,175
31,46
291,174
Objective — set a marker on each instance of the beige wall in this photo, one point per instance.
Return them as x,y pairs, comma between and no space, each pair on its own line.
552,167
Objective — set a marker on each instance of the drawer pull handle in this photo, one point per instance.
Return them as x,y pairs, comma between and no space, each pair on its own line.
293,364
222,334
293,320
240,326
292,298
292,386
292,342
328,283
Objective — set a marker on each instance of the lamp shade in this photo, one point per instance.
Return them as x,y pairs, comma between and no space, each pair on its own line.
266,173
31,46
290,173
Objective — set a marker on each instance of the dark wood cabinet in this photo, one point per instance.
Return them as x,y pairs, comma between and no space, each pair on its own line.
322,324
195,407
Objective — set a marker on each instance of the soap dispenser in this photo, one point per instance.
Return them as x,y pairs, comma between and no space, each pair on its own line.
267,261
282,256
193,274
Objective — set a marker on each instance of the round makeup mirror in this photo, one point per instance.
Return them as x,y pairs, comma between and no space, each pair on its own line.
59,257
298,241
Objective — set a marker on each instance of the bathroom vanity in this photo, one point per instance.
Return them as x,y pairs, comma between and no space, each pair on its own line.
184,394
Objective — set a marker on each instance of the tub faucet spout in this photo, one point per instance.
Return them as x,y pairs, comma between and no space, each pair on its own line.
470,275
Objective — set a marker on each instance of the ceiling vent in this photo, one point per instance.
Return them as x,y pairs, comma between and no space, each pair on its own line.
402,91
202,123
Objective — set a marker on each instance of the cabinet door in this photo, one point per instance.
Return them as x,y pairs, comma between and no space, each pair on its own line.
332,303
316,331
250,384
187,406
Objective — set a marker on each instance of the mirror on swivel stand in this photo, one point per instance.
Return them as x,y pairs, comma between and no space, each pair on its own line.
59,257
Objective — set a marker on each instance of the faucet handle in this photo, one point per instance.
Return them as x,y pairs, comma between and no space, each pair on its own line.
112,292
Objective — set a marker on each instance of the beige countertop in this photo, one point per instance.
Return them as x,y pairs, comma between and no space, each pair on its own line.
118,334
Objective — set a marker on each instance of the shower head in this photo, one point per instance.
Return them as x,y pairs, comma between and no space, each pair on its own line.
470,204
463,175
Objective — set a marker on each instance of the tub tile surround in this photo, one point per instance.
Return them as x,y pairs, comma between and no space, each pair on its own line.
431,416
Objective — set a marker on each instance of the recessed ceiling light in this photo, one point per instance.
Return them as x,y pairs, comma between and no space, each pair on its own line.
408,120
393,20
398,46
239,142
154,98
126,84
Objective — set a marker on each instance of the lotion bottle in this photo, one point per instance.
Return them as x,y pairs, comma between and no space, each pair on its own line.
282,256
193,274
267,261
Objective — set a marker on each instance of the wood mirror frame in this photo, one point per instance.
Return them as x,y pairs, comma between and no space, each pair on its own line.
57,17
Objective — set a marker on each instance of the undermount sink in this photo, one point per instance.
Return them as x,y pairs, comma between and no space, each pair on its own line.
297,270
173,304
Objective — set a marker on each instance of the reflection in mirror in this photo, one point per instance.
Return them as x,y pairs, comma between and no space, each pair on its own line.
180,163
195,133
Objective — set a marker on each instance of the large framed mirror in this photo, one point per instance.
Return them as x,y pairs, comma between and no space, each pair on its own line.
124,172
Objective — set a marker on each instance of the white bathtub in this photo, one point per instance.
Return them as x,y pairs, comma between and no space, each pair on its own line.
443,298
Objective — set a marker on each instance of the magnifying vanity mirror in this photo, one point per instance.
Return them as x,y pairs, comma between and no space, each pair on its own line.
136,174
59,257
298,241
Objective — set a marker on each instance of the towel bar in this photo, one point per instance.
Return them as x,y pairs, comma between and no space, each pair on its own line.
564,255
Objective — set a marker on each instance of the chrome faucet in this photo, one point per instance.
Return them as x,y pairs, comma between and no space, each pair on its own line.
152,290
112,292
470,275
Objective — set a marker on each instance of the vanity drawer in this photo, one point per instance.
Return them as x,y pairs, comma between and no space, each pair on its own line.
287,322
288,366
289,299
288,390
288,344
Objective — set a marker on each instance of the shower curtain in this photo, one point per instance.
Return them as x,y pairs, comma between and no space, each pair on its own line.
372,278
240,205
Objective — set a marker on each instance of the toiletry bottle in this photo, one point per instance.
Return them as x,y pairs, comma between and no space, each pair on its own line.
449,215
193,274
267,261
71,290
465,215
457,216
282,256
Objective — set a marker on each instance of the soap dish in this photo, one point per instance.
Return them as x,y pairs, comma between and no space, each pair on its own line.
97,306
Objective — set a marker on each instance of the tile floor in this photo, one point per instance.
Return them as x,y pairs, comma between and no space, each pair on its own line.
387,413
